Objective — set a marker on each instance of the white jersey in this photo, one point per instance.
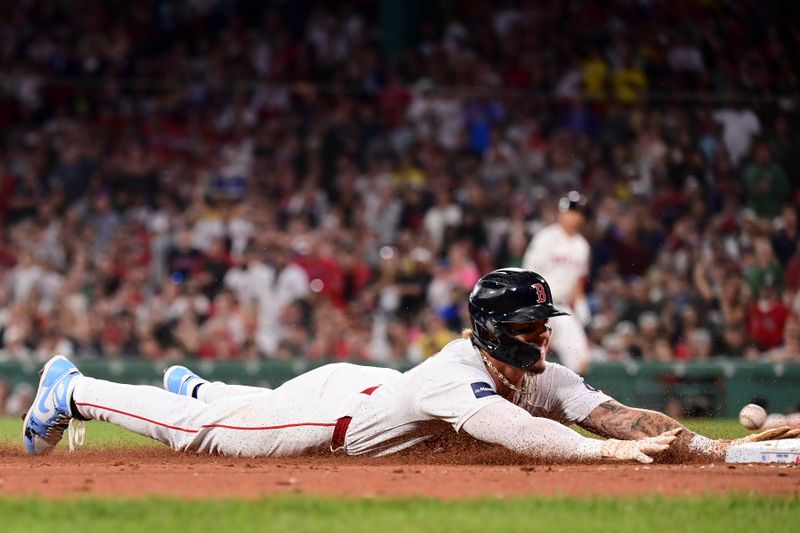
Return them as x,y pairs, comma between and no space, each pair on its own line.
559,258
442,393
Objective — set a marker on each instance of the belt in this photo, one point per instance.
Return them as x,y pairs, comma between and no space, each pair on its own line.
340,430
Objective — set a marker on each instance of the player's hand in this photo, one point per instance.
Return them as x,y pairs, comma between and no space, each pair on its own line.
640,450
785,432
718,448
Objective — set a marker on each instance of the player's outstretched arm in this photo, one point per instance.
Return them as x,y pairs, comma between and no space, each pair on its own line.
545,440
614,420
617,421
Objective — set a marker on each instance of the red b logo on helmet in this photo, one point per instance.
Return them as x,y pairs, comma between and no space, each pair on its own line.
541,296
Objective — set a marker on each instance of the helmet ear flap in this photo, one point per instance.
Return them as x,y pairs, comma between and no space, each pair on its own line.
484,331
487,325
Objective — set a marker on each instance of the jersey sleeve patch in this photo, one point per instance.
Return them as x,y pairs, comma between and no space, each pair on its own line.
481,389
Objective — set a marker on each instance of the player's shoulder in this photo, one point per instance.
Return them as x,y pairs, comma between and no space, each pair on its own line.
557,374
459,356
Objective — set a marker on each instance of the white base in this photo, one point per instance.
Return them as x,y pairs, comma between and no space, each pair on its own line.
769,451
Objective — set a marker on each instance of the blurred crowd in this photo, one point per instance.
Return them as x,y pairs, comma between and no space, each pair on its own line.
234,180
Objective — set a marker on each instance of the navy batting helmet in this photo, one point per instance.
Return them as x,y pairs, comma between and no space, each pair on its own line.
509,296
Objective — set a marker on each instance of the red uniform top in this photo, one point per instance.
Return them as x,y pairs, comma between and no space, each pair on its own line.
765,323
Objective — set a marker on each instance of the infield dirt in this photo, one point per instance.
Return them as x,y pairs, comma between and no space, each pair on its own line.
139,472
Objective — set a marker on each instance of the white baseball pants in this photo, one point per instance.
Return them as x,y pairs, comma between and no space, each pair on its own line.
296,418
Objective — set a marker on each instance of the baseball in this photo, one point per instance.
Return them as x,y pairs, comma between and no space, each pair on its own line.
752,416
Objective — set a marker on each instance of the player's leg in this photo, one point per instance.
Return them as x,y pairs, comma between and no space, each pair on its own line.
569,341
65,394
180,380
298,417
217,390
146,410
267,423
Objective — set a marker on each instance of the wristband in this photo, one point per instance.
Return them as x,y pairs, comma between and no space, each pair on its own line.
701,444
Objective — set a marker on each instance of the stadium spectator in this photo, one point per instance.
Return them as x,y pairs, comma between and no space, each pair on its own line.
740,125
789,350
432,336
223,334
766,186
764,267
791,279
700,344
785,236
277,282
184,260
767,317
733,342
307,180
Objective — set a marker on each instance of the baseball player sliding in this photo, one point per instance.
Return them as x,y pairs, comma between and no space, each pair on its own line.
494,384
561,255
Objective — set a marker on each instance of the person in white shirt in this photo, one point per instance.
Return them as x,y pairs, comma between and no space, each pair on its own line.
494,385
561,255
271,285
739,128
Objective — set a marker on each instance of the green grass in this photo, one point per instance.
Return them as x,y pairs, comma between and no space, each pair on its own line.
297,513
717,429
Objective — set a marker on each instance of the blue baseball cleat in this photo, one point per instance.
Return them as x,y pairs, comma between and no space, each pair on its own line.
50,413
180,380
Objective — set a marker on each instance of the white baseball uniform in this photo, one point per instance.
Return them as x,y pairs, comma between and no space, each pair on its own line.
447,392
563,260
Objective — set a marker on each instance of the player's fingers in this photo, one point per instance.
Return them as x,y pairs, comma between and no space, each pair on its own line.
673,432
663,439
787,433
771,434
643,458
654,446
657,447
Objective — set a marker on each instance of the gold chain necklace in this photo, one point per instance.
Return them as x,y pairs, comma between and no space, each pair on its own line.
526,396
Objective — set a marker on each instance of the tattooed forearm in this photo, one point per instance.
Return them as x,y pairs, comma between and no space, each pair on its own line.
616,421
